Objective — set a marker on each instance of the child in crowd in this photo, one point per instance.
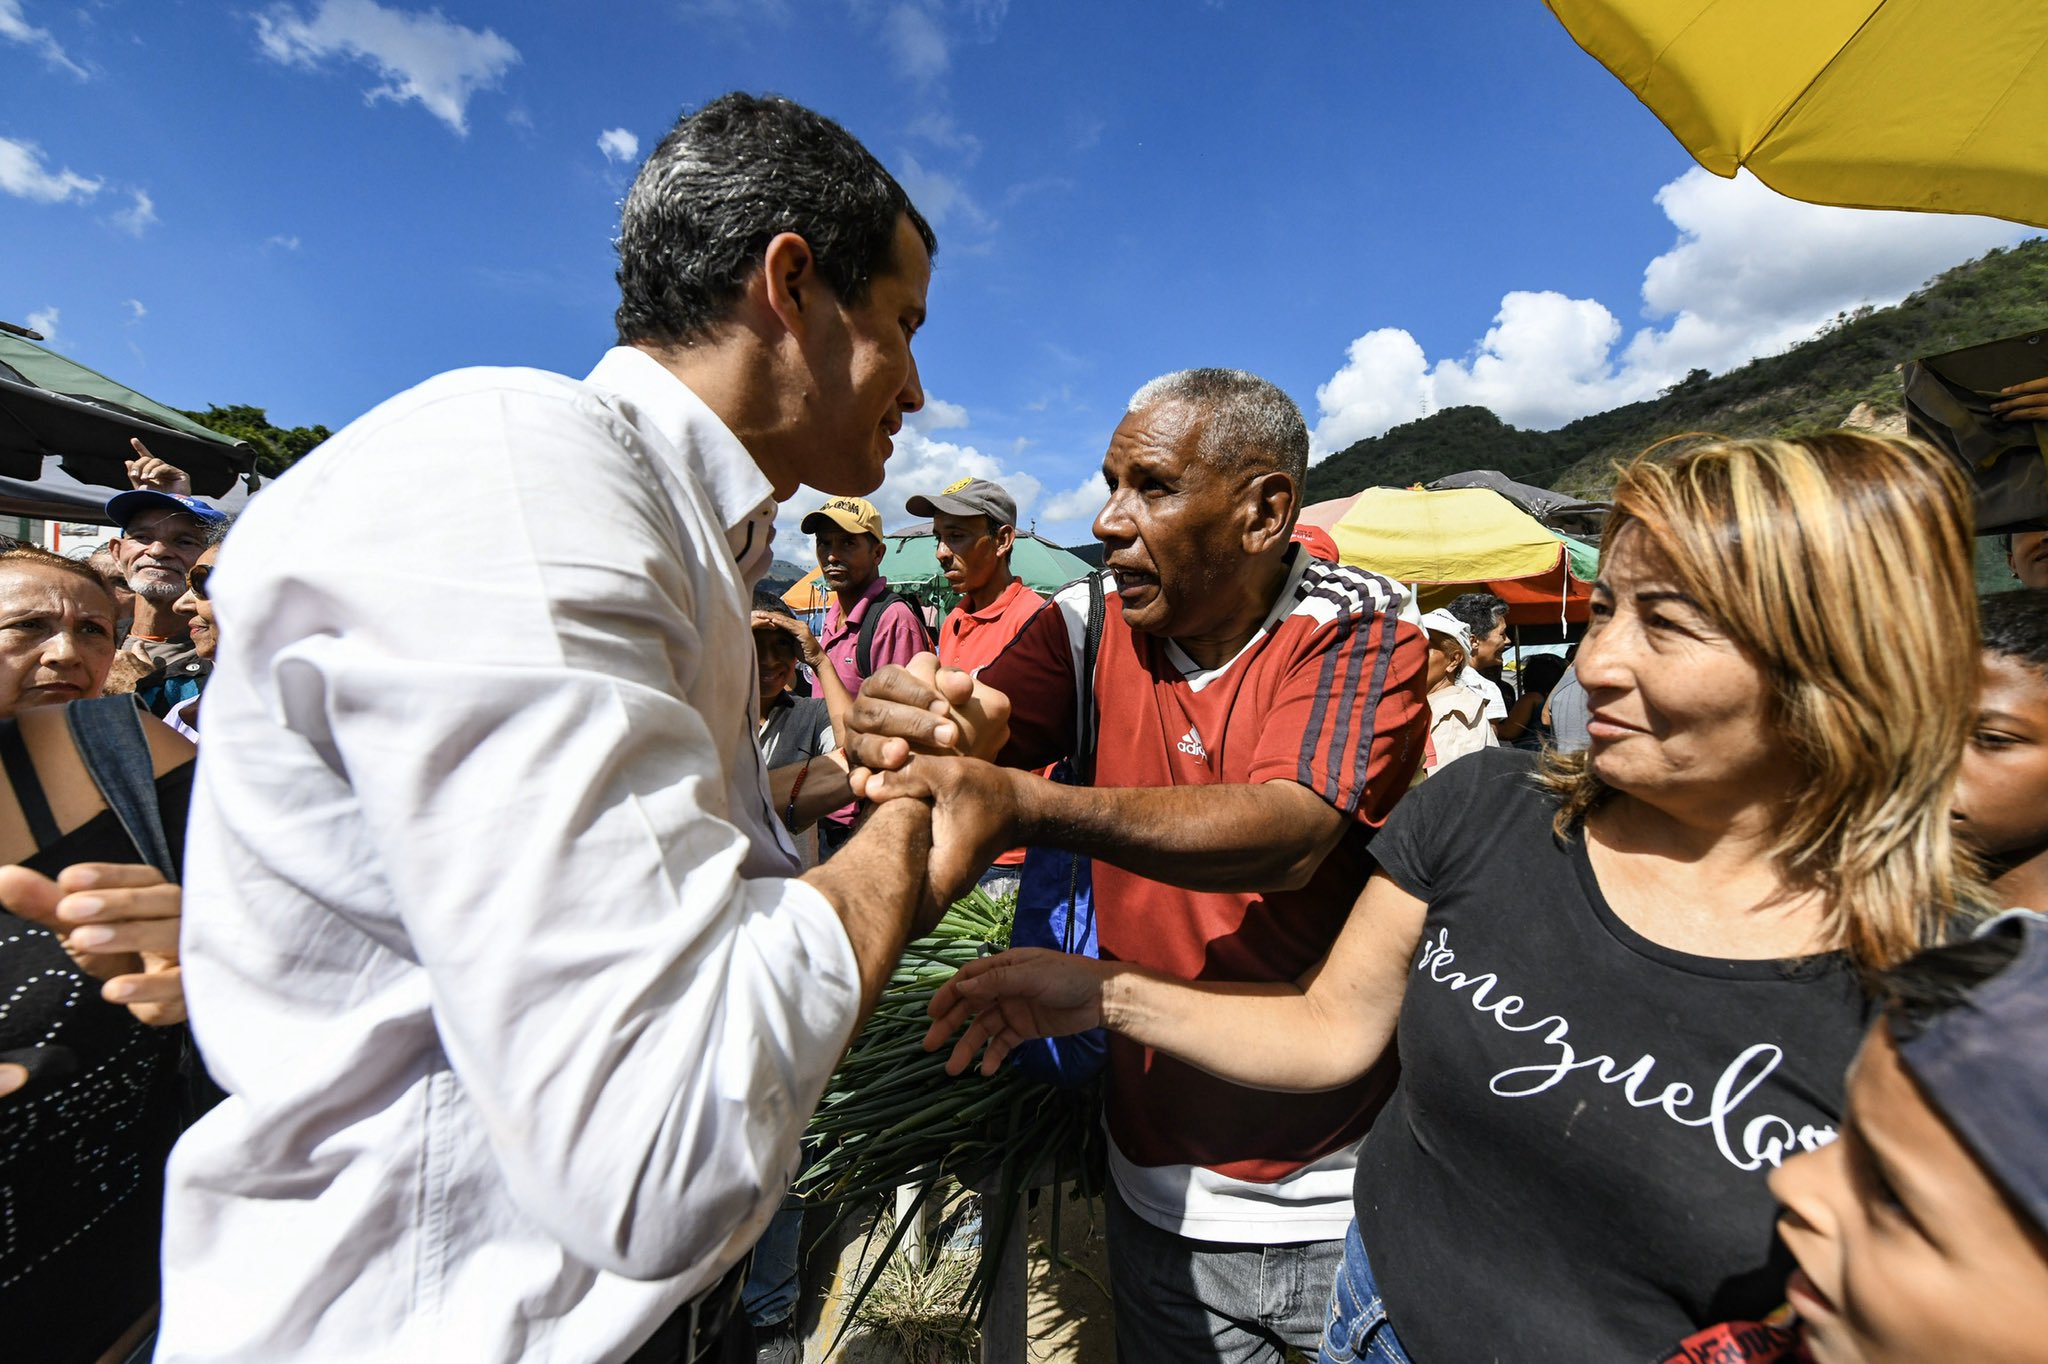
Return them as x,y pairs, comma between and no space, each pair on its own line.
1922,1231
2002,795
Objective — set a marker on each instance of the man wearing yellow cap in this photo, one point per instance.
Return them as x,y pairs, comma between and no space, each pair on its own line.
866,625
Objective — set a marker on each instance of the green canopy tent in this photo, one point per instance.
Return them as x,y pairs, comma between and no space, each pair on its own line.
54,407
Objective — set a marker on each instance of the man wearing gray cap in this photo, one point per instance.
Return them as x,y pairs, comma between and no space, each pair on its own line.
975,522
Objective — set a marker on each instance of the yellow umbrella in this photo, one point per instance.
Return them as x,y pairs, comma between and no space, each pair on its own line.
1938,105
1448,540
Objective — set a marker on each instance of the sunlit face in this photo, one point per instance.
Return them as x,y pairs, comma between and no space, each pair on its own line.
56,637
970,553
774,663
1174,526
1908,1252
849,559
1446,661
865,378
197,608
2001,807
2029,557
162,547
1679,712
1487,649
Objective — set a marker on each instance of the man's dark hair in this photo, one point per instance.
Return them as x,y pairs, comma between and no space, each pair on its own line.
1922,988
723,184
1479,612
2015,626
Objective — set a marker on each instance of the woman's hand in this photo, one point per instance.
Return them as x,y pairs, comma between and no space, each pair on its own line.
120,924
1015,996
2027,402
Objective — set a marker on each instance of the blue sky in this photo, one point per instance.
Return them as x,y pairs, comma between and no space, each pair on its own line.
311,205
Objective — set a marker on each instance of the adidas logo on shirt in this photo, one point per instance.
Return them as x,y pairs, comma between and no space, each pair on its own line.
1191,744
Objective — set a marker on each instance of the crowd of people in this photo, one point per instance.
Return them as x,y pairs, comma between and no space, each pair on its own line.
1680,1001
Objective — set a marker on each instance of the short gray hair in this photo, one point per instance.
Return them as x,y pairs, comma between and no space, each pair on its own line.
1246,421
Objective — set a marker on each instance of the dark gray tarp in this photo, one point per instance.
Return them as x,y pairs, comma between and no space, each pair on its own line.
52,405
1559,511
57,496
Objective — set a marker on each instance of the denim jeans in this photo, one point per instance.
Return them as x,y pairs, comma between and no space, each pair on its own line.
771,1290
1357,1328
1210,1302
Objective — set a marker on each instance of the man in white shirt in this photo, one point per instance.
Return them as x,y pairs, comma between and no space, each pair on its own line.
492,935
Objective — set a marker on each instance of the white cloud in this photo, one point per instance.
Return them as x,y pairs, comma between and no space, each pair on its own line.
619,144
943,199
282,242
136,312
1751,273
917,43
920,464
941,131
1078,503
419,56
24,175
43,320
937,415
139,216
14,25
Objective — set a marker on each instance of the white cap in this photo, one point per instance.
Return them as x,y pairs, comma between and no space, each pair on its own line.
1442,622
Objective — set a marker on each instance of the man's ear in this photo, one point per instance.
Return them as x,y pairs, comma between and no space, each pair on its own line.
788,280
1271,501
881,548
1006,539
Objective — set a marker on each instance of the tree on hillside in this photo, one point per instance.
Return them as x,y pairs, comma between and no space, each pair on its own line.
277,447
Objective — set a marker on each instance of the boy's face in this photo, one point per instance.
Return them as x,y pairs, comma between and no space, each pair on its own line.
2001,807
1908,1252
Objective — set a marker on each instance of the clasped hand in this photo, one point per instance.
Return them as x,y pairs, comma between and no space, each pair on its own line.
924,732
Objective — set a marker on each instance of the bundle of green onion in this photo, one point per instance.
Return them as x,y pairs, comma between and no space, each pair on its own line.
891,1116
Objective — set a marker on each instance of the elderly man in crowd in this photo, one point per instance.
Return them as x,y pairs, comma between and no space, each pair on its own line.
163,534
495,941
1258,712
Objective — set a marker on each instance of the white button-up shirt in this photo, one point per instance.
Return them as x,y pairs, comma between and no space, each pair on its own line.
487,932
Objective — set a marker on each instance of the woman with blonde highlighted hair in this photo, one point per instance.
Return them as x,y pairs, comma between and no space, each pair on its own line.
1628,981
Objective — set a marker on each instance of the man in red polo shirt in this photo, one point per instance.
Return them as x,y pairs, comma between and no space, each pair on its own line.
975,522
1258,713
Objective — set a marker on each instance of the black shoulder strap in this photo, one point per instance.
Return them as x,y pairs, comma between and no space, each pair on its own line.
108,733
1086,722
28,787
863,647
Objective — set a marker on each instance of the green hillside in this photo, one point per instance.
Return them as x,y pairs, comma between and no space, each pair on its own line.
1813,386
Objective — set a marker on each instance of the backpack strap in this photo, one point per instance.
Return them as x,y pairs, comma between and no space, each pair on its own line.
108,734
1087,721
863,647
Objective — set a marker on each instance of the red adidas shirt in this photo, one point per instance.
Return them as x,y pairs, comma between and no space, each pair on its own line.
1328,694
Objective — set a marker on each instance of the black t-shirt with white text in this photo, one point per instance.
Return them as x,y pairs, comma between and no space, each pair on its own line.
1573,1165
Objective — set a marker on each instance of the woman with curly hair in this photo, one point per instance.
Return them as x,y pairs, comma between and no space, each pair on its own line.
1627,982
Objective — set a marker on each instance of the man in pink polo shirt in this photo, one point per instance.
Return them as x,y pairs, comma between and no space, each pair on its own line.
866,625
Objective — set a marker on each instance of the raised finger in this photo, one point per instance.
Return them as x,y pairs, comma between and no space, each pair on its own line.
145,987
108,876
138,935
121,906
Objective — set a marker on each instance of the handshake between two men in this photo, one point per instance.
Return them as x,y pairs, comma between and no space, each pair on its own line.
931,733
